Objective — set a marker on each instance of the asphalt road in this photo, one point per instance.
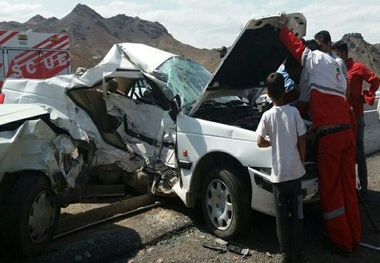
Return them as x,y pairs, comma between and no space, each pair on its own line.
172,233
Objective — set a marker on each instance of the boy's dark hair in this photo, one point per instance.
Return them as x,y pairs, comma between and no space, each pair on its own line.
275,85
341,46
312,45
323,35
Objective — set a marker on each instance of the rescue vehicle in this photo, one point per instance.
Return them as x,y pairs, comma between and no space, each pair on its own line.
33,55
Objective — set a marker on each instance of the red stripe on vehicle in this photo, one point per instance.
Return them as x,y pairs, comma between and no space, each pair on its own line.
5,39
52,45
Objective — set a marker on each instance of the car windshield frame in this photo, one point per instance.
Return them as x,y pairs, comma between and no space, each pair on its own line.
184,77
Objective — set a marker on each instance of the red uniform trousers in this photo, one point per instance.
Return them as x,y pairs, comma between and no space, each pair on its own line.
338,189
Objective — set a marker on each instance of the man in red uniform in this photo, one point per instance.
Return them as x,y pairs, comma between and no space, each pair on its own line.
329,111
357,73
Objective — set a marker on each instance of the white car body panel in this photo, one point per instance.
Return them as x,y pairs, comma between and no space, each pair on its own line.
18,112
199,138
33,145
140,54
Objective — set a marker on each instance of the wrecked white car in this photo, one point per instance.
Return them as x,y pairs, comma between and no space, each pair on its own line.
152,120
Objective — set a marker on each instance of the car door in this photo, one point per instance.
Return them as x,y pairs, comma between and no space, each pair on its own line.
145,126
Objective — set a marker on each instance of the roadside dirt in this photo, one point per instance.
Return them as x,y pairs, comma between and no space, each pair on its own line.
172,233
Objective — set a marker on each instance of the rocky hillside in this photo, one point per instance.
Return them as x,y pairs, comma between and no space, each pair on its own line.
361,50
91,36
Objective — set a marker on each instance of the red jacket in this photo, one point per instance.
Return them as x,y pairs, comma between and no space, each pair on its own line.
357,72
328,104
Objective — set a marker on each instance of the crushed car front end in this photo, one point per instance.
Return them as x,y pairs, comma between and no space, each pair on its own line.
39,167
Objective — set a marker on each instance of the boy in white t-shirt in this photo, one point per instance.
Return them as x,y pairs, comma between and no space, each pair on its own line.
286,130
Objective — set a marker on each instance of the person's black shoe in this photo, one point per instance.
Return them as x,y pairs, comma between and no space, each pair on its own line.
335,249
341,252
363,193
362,196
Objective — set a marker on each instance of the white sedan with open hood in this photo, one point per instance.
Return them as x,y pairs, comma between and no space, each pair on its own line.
150,119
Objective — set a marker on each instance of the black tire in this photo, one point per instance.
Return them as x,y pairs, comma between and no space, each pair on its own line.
32,215
225,203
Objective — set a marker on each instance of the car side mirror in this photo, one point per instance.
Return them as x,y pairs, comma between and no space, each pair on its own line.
174,107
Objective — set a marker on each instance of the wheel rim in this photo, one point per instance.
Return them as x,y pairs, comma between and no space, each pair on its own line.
41,217
219,204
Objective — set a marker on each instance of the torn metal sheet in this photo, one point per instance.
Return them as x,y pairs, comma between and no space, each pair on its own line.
34,146
112,155
144,121
27,148
69,160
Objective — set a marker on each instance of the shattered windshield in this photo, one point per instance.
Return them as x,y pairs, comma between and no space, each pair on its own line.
184,77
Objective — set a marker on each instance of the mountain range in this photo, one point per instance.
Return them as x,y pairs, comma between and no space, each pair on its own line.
91,37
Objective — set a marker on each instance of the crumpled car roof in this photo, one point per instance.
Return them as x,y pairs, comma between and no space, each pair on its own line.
123,56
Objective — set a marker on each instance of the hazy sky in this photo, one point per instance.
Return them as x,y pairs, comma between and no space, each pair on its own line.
212,23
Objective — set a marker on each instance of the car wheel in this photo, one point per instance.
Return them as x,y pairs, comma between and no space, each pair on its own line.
32,215
225,203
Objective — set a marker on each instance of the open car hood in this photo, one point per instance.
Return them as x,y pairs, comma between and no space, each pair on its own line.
255,54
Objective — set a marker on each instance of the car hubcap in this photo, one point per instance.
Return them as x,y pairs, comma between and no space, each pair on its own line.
219,205
41,217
